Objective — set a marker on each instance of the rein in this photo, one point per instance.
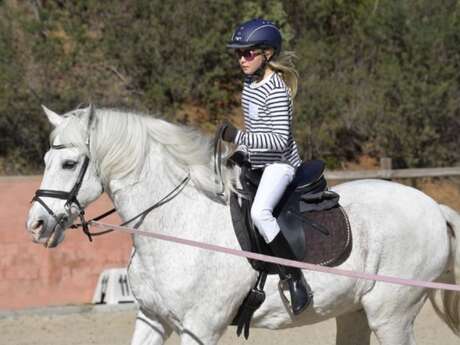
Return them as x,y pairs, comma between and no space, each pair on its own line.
168,197
71,198
218,159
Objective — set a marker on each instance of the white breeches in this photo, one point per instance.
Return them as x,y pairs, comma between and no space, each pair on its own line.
275,178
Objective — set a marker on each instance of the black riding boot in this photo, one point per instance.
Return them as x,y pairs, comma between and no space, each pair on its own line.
301,294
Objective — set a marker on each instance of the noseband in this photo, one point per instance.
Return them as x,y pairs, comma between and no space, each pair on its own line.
70,197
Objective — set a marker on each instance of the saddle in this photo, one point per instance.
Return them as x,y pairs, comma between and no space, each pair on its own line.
310,218
309,215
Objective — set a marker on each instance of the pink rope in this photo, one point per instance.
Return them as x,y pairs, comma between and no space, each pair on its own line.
281,261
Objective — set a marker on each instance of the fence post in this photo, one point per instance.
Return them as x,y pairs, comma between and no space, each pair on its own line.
386,166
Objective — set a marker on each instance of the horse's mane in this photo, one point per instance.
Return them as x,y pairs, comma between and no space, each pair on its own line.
120,142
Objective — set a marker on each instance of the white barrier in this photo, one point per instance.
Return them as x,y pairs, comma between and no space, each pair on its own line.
113,287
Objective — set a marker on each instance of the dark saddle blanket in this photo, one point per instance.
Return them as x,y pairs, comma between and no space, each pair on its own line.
309,215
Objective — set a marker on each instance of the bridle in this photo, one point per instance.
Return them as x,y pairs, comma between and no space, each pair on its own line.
71,199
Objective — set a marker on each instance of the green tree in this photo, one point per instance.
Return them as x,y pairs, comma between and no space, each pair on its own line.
377,77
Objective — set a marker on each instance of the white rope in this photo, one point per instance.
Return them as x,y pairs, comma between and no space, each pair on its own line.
281,261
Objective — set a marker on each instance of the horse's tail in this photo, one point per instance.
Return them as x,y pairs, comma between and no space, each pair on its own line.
449,307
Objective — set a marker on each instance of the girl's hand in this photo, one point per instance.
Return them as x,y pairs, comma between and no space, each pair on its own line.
229,133
239,158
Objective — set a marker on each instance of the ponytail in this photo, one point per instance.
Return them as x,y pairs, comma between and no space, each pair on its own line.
284,65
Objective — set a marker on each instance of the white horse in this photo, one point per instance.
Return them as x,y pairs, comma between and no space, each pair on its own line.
136,159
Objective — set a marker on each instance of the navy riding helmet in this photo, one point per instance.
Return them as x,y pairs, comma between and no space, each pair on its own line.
256,33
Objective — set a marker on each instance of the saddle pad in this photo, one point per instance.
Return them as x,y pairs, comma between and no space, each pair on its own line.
330,244
321,249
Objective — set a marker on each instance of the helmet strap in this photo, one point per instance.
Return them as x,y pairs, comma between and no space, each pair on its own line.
260,72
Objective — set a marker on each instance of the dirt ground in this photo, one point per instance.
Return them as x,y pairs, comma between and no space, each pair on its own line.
48,327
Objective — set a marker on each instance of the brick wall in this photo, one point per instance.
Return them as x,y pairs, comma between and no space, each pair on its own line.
32,275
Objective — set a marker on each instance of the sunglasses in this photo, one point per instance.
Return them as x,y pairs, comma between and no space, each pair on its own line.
248,54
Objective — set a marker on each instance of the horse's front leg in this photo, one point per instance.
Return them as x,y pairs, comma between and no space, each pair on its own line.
149,330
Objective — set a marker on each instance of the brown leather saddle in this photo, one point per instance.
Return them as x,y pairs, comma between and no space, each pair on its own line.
309,215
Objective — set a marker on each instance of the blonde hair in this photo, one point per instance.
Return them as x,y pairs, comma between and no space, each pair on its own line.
284,66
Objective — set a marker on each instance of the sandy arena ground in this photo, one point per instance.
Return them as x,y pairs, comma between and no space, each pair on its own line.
65,326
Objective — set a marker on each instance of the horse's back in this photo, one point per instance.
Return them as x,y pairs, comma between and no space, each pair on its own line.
404,228
388,198
381,192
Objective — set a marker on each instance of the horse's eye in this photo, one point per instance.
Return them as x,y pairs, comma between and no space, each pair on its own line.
69,164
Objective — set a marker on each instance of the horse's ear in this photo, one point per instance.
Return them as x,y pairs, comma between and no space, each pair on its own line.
90,114
54,119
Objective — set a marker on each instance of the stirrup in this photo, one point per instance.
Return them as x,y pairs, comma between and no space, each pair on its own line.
283,285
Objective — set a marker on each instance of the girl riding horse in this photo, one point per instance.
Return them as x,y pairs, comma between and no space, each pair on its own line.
270,85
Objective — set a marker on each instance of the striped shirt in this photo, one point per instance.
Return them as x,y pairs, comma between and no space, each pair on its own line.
267,107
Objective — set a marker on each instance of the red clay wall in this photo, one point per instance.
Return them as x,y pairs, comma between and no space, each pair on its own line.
31,275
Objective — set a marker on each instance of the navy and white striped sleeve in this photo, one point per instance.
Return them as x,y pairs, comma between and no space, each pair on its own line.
273,135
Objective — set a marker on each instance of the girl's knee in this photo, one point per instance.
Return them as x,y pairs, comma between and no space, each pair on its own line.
260,216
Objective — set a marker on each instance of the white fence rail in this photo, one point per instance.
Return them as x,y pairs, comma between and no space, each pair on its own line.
386,172
392,173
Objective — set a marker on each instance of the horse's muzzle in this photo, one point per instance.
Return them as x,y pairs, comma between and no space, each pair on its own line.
49,233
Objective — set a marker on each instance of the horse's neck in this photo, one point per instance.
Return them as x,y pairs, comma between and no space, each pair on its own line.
134,193
190,215
131,196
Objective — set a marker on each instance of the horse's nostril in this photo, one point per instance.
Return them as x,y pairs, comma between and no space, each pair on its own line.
37,224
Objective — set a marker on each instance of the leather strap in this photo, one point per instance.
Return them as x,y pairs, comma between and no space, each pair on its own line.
218,159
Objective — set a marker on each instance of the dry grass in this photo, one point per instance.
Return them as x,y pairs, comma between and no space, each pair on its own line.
445,191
